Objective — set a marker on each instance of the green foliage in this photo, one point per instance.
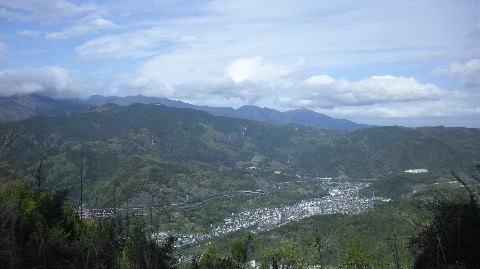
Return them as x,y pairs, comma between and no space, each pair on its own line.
403,185
358,256
189,157
450,239
141,252
240,249
212,259
236,257
38,229
324,240
287,254
380,151
112,135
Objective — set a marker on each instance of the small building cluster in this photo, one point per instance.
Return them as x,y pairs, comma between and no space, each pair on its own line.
344,200
416,171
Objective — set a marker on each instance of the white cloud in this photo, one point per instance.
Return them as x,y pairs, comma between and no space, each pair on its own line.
129,45
255,69
102,23
28,33
248,79
13,16
385,100
40,10
291,30
445,111
248,52
50,81
325,92
257,81
320,80
469,73
470,68
89,26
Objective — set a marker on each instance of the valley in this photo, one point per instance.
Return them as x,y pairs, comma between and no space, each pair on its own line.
209,179
343,199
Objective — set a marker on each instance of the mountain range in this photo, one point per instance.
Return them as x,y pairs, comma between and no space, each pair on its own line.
185,170
127,155
128,143
19,107
24,106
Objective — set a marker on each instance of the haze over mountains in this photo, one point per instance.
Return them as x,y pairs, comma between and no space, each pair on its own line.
188,171
177,145
296,134
24,106
131,142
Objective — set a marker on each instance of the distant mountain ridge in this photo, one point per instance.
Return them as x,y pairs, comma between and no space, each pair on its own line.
23,106
131,142
298,116
20,107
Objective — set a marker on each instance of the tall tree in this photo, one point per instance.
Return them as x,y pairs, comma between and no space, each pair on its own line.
240,248
451,239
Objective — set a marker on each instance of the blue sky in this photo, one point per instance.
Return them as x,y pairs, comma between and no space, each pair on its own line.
405,62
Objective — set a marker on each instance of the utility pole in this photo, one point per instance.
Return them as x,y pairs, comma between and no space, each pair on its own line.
81,182
394,239
151,213
115,183
114,192
396,251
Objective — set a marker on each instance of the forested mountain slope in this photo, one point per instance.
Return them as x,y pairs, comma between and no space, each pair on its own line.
20,107
298,116
185,153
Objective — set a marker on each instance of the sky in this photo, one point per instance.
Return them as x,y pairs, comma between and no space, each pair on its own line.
393,62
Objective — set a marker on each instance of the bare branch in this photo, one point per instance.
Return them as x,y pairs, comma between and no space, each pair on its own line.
471,192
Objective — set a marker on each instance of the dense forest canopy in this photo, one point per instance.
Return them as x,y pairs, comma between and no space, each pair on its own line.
186,171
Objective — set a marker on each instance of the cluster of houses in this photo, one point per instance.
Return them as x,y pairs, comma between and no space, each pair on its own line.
343,199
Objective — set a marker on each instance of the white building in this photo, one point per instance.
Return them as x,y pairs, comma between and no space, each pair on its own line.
416,171
335,192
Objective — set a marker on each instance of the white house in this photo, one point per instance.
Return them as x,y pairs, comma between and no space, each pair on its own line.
416,171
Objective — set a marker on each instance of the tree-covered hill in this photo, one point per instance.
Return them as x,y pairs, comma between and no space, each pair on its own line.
20,107
183,154
187,169
374,152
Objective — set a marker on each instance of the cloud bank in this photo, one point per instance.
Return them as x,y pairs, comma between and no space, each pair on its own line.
46,11
374,62
52,81
469,73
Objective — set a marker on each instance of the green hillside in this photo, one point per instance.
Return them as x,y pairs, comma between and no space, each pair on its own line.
133,153
186,171
163,143
375,152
